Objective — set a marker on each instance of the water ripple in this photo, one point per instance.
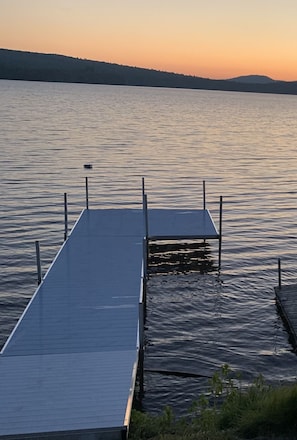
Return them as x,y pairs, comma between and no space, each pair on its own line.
242,145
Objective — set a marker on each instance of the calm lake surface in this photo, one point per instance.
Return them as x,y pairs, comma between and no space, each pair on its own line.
243,145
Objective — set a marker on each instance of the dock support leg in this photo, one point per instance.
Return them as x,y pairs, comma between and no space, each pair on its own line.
143,190
145,262
38,261
145,273
141,373
144,208
145,214
65,217
220,233
142,305
204,196
141,350
87,193
279,274
124,434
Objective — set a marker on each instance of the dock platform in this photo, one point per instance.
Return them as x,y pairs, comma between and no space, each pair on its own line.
286,299
68,370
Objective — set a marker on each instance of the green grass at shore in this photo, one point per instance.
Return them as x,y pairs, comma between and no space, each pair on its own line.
227,412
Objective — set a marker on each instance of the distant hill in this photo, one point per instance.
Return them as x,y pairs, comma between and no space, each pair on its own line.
32,66
253,79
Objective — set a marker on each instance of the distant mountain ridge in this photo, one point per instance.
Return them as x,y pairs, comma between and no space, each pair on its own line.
33,66
253,79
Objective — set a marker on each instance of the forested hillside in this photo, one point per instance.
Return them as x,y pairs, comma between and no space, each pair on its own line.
31,66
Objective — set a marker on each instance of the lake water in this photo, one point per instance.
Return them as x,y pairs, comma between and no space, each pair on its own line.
243,145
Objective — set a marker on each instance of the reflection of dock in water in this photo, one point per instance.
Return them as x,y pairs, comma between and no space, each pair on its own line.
180,257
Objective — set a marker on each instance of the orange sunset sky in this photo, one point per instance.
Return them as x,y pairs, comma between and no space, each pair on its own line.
208,38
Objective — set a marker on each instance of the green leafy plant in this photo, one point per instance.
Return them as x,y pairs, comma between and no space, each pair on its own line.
226,412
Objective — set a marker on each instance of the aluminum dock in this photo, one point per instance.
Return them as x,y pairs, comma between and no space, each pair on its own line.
286,300
69,368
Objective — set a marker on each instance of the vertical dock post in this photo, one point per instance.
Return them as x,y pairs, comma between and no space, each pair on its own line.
145,219
279,274
220,233
204,197
141,372
145,250
142,304
143,190
144,276
145,253
141,321
38,261
141,324
141,349
144,205
146,229
87,193
65,217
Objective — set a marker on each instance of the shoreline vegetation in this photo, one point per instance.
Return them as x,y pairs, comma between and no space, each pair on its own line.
226,412
33,66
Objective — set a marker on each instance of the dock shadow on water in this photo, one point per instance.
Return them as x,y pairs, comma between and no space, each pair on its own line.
180,257
198,320
182,291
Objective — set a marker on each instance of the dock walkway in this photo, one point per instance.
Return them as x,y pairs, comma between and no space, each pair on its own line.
68,369
286,298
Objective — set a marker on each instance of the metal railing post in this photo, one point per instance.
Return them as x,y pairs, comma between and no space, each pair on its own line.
146,218
143,190
87,193
146,228
279,274
145,253
204,197
65,217
144,209
220,233
141,349
38,261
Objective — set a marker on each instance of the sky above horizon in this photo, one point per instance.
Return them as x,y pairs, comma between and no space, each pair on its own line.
207,38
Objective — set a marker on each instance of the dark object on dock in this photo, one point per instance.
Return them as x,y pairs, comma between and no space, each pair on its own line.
286,301
88,166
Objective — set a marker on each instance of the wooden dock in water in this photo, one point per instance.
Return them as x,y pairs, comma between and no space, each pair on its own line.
68,370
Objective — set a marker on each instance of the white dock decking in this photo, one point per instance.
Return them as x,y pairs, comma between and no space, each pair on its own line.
180,224
68,369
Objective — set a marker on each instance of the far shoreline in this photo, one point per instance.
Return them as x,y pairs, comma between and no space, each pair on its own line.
32,66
